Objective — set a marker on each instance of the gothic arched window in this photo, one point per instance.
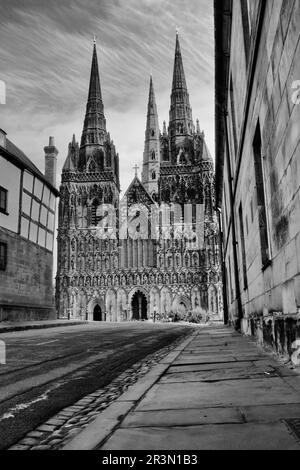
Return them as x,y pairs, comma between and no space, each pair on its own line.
94,217
153,156
152,133
153,175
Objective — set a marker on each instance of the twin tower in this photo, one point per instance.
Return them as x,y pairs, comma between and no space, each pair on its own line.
131,274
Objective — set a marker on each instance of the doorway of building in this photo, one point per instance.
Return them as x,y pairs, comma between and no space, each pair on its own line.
139,306
97,314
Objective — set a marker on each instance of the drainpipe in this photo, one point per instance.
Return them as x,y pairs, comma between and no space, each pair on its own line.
224,280
234,241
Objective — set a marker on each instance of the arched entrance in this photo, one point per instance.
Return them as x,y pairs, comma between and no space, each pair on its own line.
97,313
139,306
182,310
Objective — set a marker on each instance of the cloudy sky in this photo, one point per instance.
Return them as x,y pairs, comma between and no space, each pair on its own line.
45,59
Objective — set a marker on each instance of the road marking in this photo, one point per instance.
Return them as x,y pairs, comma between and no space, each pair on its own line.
23,406
46,342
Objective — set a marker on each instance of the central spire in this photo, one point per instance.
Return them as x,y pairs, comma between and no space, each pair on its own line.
94,89
178,71
181,121
94,128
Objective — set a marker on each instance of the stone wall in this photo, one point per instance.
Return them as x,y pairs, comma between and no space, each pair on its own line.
271,297
26,286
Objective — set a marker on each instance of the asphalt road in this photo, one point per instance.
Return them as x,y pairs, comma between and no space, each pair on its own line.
47,370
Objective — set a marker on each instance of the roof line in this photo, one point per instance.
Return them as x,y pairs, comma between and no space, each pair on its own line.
22,165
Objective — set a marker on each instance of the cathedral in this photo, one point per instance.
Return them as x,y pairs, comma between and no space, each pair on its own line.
154,254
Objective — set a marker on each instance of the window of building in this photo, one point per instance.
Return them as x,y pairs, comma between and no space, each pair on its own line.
24,227
49,242
95,213
3,256
41,237
242,236
50,223
3,200
26,204
246,26
35,210
38,188
153,156
43,216
233,117
46,196
33,232
27,181
152,133
260,195
153,175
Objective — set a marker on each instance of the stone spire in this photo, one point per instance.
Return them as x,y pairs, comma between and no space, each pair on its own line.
72,157
151,159
165,129
94,129
181,121
178,71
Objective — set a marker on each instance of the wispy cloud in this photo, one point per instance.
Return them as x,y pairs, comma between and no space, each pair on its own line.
45,56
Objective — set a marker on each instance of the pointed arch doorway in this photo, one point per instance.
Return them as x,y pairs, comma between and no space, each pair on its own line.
97,313
139,306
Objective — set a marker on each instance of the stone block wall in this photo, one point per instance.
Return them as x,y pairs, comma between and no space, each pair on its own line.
271,300
26,286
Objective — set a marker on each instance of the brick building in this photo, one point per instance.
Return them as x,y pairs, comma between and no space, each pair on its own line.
258,165
27,218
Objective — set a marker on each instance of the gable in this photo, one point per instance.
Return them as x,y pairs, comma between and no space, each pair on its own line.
137,194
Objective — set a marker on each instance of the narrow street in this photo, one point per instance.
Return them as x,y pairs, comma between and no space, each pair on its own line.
48,370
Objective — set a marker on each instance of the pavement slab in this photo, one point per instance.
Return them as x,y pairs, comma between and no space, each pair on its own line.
218,375
192,417
270,413
229,393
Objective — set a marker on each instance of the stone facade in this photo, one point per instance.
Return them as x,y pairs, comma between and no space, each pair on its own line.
27,215
27,285
121,260
257,165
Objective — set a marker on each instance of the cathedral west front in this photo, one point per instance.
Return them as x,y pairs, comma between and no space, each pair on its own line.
154,254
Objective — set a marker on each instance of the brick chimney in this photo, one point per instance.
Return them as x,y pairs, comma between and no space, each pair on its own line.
51,153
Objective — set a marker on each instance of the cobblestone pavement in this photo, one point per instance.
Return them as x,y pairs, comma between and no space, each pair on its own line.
55,432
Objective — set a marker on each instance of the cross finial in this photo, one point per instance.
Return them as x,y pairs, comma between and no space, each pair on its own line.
95,38
177,30
136,167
